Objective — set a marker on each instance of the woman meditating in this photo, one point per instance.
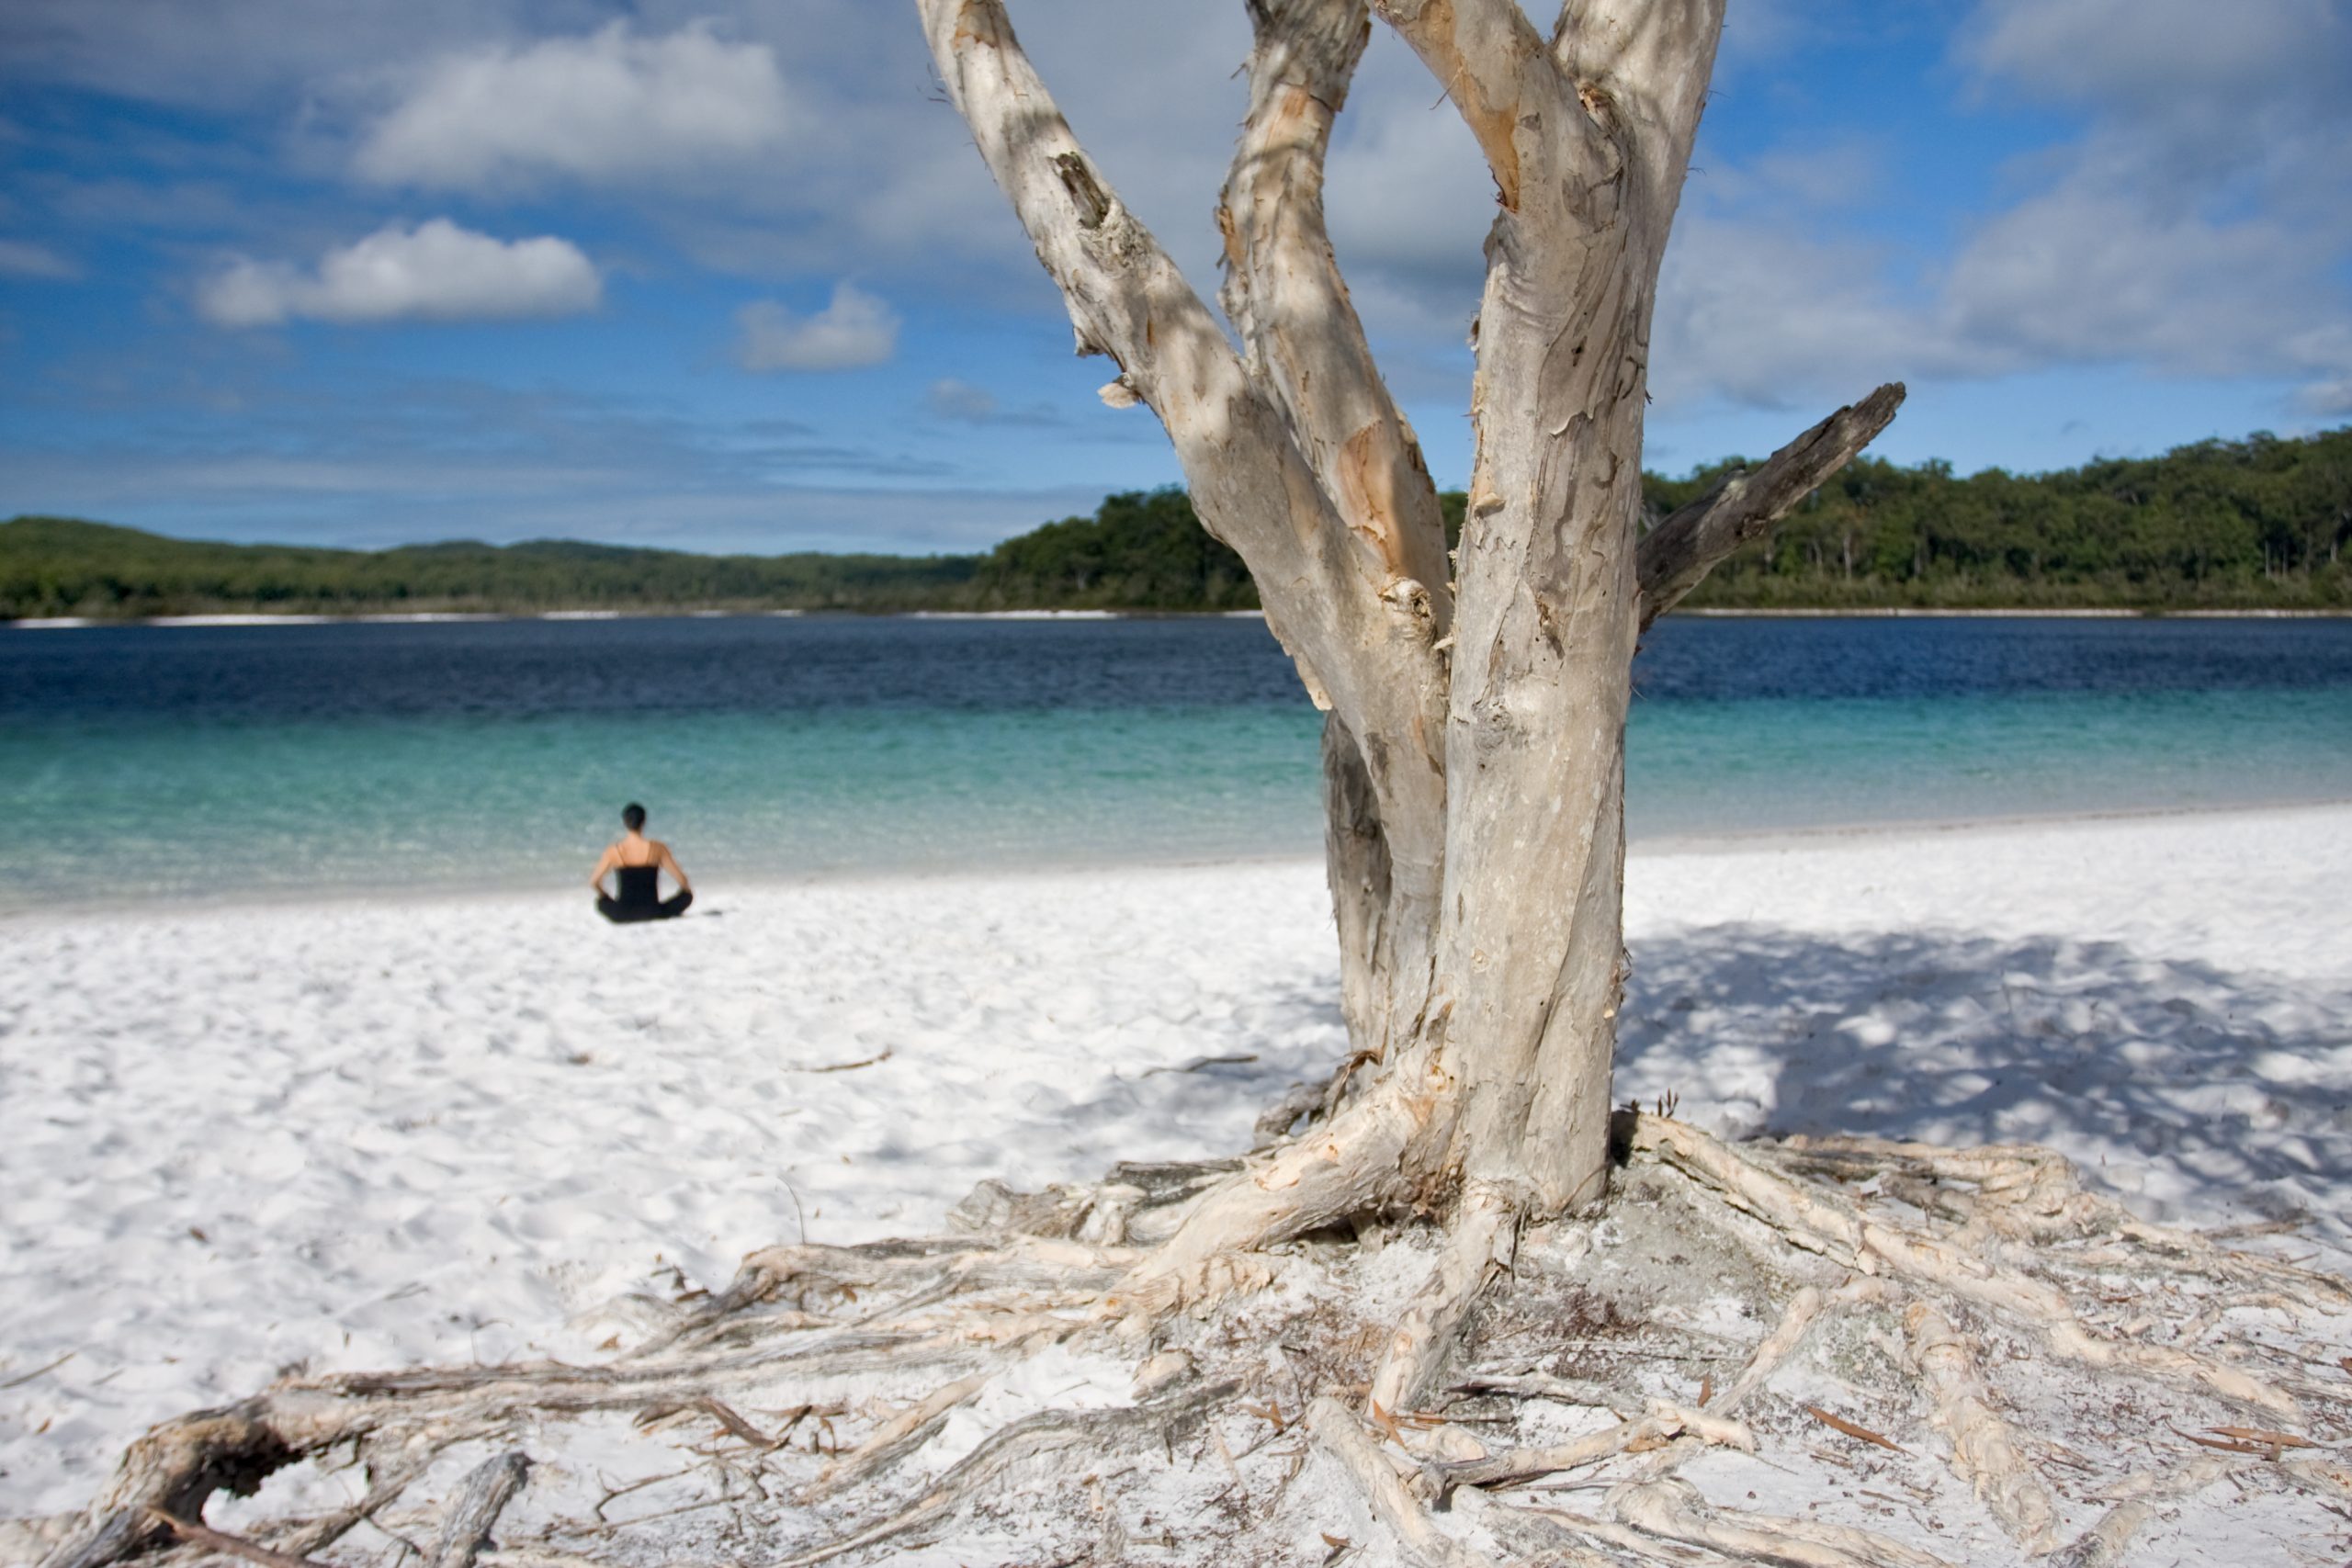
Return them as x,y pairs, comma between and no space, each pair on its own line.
640,861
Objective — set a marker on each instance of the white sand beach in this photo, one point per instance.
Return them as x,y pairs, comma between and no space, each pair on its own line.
244,1139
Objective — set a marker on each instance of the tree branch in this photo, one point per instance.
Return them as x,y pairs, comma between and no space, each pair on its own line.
1495,67
1676,555
1661,51
1124,295
1284,295
1363,640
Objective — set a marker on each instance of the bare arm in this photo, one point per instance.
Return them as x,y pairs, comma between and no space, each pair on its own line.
668,863
605,862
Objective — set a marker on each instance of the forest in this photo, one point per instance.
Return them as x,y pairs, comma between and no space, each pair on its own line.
2258,524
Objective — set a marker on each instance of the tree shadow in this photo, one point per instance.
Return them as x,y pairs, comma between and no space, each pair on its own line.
2190,1090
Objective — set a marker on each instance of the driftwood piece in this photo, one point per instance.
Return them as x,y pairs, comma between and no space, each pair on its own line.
467,1523
895,1437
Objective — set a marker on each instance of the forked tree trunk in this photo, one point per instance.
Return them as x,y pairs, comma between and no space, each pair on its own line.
1474,747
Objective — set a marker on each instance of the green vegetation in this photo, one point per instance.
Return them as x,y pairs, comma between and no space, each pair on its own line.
54,567
2259,524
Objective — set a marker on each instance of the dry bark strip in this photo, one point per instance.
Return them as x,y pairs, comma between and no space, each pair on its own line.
233,1546
1565,1391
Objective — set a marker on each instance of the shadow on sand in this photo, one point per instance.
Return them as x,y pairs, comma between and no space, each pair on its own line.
2190,1090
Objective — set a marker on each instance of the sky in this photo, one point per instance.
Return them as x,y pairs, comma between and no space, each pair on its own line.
731,277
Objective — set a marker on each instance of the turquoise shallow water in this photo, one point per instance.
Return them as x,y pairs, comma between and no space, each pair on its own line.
1721,766
183,809
139,763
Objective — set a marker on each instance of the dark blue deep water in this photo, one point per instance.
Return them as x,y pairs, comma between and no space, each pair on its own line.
148,761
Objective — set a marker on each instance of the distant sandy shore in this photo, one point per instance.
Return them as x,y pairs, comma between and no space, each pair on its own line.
239,1139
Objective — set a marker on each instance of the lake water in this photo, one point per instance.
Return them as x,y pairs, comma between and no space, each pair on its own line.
147,761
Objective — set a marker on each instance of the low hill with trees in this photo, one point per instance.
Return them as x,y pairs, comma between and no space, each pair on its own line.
2259,523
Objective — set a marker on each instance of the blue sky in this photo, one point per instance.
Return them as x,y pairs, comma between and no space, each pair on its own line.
731,277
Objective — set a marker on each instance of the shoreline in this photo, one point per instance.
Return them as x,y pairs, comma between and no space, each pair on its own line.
439,617
1670,843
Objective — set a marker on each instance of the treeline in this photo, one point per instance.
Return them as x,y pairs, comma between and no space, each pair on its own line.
2259,524
57,567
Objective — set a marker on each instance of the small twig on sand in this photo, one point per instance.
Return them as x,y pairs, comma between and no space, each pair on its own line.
1852,1430
235,1546
718,1411
22,1378
1197,1062
843,1066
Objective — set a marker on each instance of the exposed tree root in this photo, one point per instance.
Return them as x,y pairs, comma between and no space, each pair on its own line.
1485,1239
1674,1510
1337,1430
1917,1283
1662,1424
1984,1452
2136,1499
1822,1222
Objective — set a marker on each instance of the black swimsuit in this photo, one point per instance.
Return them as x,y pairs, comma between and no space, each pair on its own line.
641,898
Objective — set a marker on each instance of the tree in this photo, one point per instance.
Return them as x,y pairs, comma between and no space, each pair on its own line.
1474,744
1474,770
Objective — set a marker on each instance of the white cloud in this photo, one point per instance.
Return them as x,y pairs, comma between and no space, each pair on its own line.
2167,55
2193,227
2327,400
960,402
606,104
1768,315
22,258
951,399
855,330
436,271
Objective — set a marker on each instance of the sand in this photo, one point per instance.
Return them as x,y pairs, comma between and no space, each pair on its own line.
235,1140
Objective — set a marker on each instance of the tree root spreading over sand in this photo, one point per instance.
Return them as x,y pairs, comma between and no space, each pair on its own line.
845,1402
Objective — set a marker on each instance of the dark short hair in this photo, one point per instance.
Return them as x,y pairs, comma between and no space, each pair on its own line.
632,816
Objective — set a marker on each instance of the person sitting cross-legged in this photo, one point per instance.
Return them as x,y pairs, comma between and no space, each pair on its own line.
638,861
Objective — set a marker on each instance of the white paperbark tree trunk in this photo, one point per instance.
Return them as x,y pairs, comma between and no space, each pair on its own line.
1474,750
